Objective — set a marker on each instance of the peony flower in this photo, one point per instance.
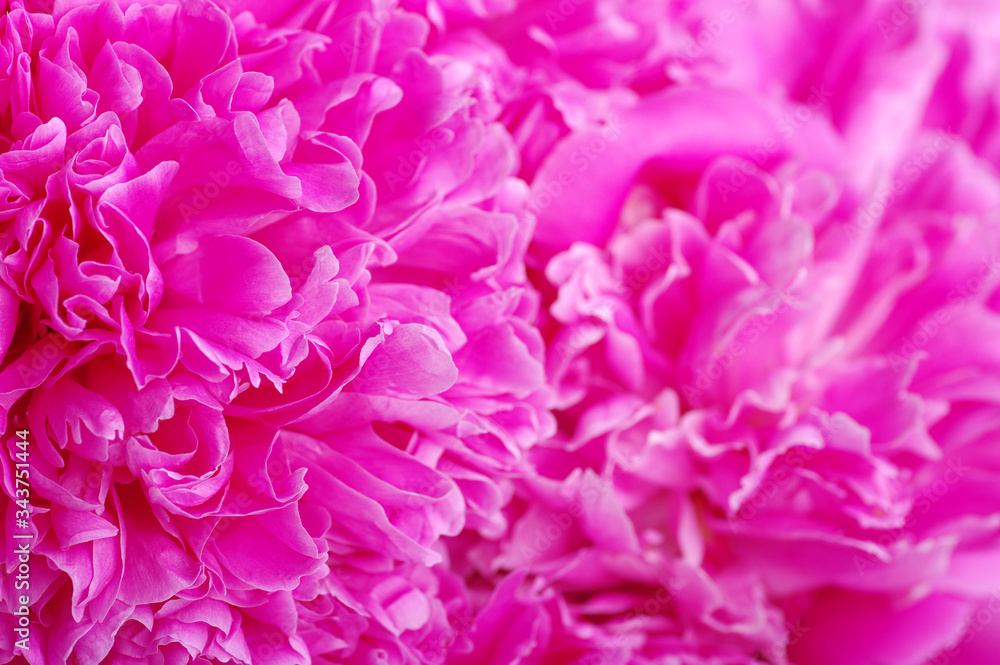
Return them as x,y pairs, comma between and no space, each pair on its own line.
584,332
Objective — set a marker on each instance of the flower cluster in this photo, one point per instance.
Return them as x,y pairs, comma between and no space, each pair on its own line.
412,332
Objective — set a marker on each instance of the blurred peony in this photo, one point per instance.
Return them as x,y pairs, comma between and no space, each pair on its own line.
593,332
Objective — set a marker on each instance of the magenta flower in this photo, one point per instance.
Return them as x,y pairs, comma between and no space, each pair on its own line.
593,332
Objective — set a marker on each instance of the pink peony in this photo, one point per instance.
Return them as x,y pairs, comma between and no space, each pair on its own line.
589,332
